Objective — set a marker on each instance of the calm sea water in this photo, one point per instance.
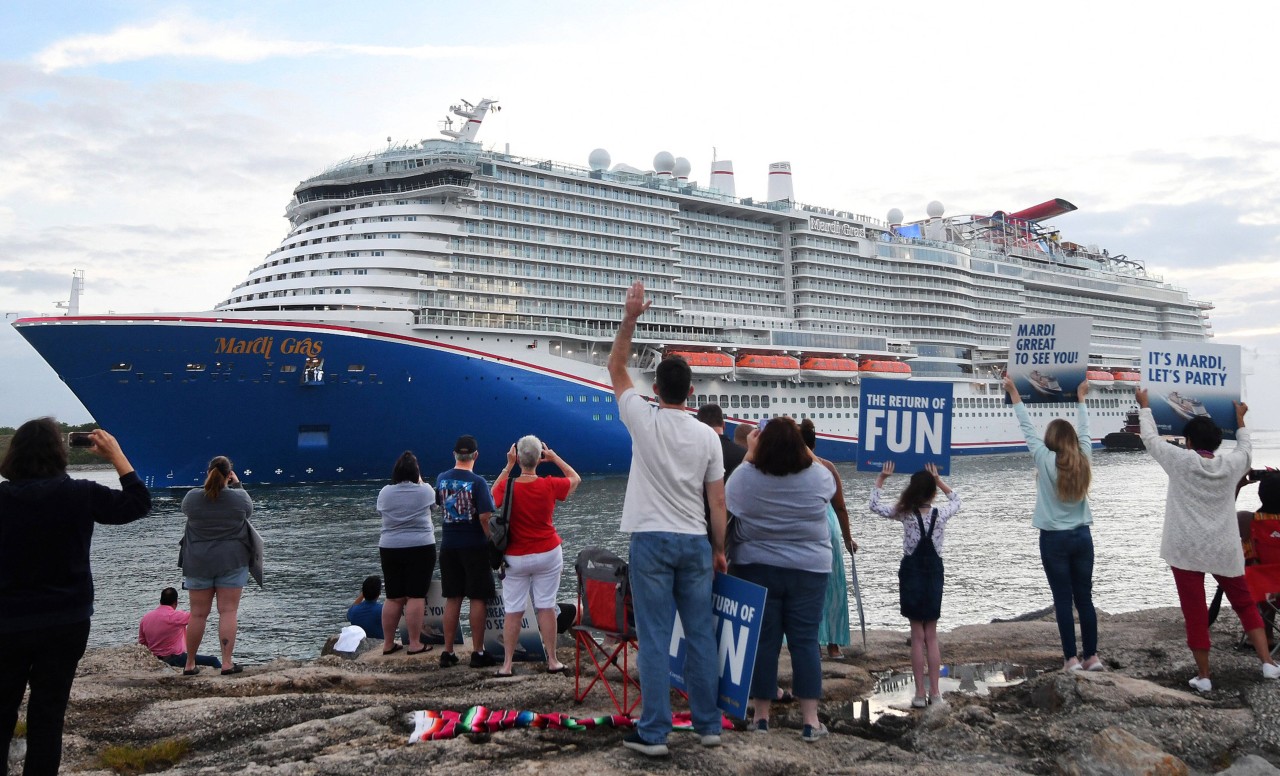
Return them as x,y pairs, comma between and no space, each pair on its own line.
321,541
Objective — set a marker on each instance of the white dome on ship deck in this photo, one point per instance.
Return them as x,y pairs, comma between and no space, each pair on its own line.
663,161
895,217
683,167
935,209
599,160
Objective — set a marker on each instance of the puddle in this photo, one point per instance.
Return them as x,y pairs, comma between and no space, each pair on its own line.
895,689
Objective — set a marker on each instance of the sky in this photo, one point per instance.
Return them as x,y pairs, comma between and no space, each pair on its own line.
155,145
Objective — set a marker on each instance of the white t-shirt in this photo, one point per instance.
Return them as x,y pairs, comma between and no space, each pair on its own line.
672,457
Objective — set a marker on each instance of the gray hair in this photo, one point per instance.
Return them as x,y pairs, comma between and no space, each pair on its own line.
460,457
529,451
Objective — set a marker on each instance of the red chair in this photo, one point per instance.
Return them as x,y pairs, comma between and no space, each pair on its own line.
1263,578
606,632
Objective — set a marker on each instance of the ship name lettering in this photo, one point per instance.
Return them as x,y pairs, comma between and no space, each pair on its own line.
835,227
260,346
304,347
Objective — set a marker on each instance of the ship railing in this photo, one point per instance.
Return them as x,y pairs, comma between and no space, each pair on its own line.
464,183
439,157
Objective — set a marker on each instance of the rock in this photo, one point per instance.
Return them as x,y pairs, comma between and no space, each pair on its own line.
365,645
1250,765
1116,752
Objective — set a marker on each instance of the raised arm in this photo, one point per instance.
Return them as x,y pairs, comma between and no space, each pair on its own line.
635,306
1164,453
574,478
1082,419
878,506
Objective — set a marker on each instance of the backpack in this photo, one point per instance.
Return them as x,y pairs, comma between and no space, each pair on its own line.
500,525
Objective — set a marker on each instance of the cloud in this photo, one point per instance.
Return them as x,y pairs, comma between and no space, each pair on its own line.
187,37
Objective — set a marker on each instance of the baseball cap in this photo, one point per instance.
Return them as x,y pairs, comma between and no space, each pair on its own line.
465,445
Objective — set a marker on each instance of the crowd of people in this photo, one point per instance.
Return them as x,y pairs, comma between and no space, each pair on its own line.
762,506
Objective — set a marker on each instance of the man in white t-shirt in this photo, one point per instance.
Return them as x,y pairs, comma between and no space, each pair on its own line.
674,460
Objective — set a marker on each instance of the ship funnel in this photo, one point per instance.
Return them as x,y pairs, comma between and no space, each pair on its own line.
780,182
722,178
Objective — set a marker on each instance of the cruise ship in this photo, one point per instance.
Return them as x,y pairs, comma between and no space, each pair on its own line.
437,288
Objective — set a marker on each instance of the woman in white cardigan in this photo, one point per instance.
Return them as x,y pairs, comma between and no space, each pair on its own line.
1200,532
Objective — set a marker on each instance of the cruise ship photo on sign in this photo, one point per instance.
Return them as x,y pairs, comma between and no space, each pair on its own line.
436,288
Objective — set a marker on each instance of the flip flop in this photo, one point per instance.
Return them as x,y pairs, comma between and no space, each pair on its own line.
235,669
394,649
501,675
562,670
191,671
425,648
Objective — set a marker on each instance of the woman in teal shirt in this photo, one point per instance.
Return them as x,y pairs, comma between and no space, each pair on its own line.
1062,514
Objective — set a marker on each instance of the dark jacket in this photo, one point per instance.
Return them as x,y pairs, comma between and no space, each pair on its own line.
733,455
46,527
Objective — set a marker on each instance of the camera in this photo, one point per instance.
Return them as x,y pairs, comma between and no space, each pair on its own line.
1258,475
79,439
760,426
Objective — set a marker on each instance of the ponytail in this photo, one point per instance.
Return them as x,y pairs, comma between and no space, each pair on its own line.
1074,472
219,473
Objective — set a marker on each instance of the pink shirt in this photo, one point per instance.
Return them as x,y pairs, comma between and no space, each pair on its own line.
164,631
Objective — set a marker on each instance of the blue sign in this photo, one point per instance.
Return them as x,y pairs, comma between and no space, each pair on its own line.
904,421
1191,379
739,609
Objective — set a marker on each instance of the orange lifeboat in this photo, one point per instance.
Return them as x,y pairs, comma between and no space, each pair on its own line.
704,363
889,370
754,365
1099,378
1127,377
821,368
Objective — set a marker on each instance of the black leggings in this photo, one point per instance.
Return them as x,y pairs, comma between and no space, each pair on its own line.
45,659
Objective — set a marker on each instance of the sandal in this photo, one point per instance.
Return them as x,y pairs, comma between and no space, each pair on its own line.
235,669
394,649
563,670
191,671
503,675
425,648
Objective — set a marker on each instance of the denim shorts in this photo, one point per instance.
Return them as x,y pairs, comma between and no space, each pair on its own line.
233,578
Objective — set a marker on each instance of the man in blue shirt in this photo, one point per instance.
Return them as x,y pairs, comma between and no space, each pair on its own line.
367,610
466,504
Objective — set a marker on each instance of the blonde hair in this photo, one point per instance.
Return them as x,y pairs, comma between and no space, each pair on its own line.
1074,472
219,473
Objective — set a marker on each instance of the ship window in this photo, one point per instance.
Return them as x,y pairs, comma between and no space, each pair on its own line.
568,399
122,367
313,437
764,402
582,398
288,368
195,367
355,368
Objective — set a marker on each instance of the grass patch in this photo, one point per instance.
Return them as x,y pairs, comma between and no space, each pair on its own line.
141,759
20,729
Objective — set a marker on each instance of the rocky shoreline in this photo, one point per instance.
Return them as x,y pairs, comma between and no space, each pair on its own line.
335,715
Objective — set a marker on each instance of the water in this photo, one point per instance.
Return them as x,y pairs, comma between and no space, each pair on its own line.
321,541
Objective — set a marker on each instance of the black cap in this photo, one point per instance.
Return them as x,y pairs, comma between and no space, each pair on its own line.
465,445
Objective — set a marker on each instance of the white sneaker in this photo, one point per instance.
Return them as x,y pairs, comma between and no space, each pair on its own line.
710,740
1200,685
1270,671
1071,665
919,702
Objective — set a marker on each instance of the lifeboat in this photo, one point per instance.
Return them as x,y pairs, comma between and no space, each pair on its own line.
889,370
828,369
1128,378
705,363
767,366
1099,379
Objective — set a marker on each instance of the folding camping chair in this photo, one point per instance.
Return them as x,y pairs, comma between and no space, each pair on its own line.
606,632
1263,577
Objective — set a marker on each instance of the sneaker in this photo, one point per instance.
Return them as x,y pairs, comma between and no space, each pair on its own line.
1200,685
448,659
1094,664
483,660
761,726
637,744
919,702
811,734
1071,665
1270,671
710,740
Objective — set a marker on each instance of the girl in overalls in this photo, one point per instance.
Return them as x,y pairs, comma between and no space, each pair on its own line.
920,574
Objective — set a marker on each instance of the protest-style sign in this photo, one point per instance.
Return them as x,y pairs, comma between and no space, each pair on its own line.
528,645
1189,379
433,619
739,609
904,421
1048,358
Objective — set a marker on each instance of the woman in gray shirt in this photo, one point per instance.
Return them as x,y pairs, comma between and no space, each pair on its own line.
781,541
216,552
407,549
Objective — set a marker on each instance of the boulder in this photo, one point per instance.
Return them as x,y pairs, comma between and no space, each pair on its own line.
1117,752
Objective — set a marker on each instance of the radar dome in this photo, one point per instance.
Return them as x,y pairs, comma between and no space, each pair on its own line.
895,217
683,167
599,160
935,209
664,162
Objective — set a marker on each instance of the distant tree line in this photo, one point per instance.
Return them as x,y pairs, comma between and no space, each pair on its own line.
78,455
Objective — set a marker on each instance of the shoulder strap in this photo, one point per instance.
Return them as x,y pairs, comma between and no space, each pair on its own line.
933,521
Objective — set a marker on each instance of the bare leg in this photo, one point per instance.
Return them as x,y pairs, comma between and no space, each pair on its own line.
228,608
479,610
510,634
1202,661
452,611
547,628
935,656
1258,637
391,609
761,705
414,612
917,657
809,710
201,602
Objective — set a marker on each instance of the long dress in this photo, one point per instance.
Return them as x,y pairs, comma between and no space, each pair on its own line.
835,626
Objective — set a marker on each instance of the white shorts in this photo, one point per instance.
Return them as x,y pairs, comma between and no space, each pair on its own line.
538,573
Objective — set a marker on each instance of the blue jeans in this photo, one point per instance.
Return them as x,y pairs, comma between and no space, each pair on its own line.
793,608
672,572
180,660
1068,563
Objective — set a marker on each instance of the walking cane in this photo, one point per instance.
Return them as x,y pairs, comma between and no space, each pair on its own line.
857,596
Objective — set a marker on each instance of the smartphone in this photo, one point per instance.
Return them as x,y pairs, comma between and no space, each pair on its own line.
79,439
760,426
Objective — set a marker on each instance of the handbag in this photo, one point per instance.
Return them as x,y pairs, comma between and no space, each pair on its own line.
500,526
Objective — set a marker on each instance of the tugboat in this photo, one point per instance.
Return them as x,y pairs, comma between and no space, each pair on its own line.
1127,437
